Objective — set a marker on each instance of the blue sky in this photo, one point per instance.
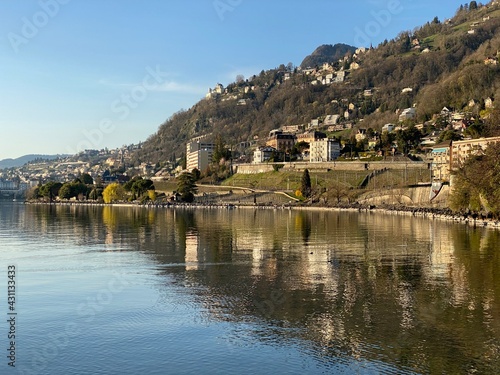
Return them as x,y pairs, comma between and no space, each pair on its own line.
78,74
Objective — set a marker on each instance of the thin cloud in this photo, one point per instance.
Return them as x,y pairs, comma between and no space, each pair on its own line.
186,88
167,86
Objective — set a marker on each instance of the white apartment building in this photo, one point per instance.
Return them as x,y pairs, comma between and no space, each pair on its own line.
199,154
324,150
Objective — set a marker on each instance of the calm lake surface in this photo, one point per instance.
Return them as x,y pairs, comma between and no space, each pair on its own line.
129,290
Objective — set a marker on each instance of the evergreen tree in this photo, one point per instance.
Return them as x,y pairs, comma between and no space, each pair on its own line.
65,191
220,150
50,190
186,186
306,184
86,179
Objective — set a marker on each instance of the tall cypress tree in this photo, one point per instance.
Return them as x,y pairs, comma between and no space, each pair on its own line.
305,187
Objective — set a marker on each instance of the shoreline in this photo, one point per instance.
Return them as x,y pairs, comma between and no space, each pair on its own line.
443,214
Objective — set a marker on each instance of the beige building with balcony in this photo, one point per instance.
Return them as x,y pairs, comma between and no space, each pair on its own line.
461,150
447,157
281,141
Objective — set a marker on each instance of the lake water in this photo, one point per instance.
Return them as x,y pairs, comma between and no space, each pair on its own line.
130,290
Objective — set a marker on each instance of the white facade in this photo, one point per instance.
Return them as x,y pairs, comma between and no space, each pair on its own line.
324,150
199,154
408,114
262,154
332,119
388,128
8,185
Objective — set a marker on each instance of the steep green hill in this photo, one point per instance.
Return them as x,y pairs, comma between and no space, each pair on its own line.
439,64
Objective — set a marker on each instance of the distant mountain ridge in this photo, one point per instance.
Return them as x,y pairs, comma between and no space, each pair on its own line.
326,54
20,161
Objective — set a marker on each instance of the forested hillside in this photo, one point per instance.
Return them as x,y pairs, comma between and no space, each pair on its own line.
452,63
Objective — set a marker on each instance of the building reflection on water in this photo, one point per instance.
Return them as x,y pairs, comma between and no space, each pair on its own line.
398,289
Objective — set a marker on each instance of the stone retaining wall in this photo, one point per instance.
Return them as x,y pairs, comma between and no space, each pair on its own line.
330,166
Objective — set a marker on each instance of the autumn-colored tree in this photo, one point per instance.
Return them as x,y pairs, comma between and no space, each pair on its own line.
152,195
113,192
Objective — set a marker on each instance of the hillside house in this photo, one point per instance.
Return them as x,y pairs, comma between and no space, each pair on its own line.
263,154
340,76
310,137
328,68
408,114
292,128
331,120
490,61
314,123
281,141
430,140
213,93
388,128
372,143
361,135
337,128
